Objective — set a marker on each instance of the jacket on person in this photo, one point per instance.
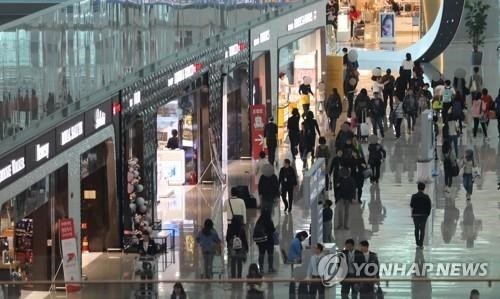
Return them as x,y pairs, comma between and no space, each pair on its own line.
342,138
372,261
346,188
295,250
323,151
334,106
358,259
209,241
420,204
287,177
268,183
410,104
233,232
398,110
293,125
376,153
478,108
377,108
151,250
362,105
264,227
270,133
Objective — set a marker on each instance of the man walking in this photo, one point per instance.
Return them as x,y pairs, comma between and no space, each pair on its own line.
353,257
368,270
420,209
271,135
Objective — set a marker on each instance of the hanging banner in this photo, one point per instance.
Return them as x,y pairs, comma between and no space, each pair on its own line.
257,123
69,254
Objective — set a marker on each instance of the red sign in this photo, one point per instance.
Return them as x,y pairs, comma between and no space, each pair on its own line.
66,229
257,123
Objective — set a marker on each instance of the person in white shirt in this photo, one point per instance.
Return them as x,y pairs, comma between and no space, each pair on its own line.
235,207
260,163
316,285
406,70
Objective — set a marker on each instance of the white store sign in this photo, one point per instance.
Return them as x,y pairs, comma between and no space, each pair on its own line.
42,151
303,20
100,118
14,167
72,133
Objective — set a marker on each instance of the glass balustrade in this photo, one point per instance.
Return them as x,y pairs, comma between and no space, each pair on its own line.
56,57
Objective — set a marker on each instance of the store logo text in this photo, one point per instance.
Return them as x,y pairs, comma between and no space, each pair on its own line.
14,167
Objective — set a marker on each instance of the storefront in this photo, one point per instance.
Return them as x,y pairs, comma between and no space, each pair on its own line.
78,159
284,51
187,96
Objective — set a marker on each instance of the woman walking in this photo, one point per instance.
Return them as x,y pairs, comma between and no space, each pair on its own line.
479,111
210,244
468,172
449,163
237,246
397,117
263,236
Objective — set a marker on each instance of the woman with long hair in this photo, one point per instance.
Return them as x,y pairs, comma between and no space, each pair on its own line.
210,244
178,292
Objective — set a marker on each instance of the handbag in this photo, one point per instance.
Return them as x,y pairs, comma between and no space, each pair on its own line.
276,238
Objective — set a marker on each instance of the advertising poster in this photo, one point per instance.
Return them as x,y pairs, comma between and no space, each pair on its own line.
69,254
387,27
257,123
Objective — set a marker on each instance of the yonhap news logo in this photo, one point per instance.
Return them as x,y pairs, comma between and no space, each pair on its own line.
333,269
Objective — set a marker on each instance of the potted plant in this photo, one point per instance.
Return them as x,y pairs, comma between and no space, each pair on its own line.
475,23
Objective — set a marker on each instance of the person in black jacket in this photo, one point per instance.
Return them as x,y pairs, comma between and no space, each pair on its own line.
420,209
359,166
146,246
333,109
271,135
368,269
346,190
362,106
264,227
237,255
287,180
353,257
334,172
268,188
294,131
311,127
376,153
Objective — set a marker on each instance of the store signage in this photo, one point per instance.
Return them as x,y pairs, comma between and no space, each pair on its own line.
262,38
98,117
235,49
15,166
42,151
257,122
186,72
135,100
303,20
70,257
72,133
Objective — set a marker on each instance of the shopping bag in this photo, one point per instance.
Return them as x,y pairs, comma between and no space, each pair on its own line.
364,129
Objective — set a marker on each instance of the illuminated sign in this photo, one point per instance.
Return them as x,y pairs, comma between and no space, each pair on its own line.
263,37
14,167
100,118
303,20
42,151
72,133
185,73
235,49
136,99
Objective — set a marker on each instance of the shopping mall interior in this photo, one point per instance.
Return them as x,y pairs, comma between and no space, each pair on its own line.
150,149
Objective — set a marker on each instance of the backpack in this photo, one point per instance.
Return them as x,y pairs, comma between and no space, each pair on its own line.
447,95
236,243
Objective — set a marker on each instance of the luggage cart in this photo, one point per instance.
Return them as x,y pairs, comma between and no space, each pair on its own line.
146,269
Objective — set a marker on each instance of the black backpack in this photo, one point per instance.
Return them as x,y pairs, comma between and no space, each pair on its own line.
259,233
309,127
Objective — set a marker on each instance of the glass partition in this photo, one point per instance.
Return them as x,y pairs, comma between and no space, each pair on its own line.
58,56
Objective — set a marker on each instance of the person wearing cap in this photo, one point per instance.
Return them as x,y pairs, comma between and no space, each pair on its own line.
388,90
271,135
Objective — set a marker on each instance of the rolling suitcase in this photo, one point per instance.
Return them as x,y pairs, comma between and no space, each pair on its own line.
364,128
